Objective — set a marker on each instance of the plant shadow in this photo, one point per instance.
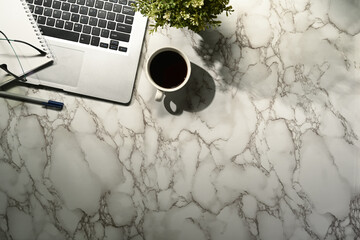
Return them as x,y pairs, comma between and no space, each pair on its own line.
221,55
195,96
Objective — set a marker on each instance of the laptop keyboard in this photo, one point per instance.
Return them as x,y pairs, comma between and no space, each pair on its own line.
98,23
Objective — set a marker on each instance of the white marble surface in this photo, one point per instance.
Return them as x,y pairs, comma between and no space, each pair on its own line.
262,144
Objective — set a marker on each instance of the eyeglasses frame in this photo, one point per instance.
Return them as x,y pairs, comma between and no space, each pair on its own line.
4,66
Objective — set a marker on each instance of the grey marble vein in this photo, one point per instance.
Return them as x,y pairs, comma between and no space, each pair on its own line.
263,143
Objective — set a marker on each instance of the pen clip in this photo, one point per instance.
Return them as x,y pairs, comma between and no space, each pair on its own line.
54,104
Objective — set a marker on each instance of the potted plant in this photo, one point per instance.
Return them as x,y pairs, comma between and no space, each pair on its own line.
196,15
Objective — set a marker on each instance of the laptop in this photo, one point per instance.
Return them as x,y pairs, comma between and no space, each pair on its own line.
96,43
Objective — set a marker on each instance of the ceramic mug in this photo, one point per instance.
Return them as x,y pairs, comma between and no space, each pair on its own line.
168,69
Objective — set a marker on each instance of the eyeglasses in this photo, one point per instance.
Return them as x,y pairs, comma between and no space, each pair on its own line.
4,67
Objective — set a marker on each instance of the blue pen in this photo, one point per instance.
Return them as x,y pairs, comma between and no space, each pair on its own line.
48,104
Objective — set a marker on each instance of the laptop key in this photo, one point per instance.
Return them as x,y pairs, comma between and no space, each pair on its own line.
104,45
78,27
128,11
57,14
102,14
123,28
108,6
122,49
95,41
84,10
65,6
31,7
41,20
56,4
69,25
105,33
50,22
60,33
110,16
84,19
48,12
119,36
81,2
117,8
93,12
102,23
59,23
129,20
93,21
96,31
38,2
85,38
114,45
66,16
99,4
111,25
87,29
39,10
47,3
90,3
75,17
74,8
120,18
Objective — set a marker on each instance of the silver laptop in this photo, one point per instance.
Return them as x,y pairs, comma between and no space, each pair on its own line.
96,44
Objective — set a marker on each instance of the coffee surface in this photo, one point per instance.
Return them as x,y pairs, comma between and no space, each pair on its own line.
168,69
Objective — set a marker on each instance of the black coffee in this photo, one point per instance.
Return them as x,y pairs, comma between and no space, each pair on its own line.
168,69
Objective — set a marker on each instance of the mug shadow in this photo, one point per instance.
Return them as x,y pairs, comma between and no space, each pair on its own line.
195,96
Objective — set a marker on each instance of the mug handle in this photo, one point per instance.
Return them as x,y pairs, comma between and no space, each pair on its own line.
159,95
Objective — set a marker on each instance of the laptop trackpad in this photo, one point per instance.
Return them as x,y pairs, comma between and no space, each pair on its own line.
67,68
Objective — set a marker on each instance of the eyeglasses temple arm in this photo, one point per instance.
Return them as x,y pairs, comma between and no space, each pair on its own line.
4,67
42,53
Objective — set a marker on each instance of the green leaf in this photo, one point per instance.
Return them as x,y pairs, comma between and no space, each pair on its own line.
197,15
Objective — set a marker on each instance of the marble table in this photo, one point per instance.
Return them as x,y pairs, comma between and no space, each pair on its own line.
263,143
